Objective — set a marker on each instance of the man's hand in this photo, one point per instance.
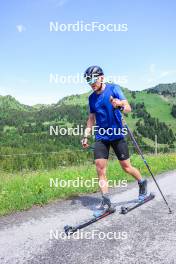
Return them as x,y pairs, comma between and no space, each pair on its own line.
84,142
116,102
122,104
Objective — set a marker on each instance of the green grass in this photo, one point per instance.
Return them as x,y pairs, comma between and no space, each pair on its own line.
157,107
23,190
81,99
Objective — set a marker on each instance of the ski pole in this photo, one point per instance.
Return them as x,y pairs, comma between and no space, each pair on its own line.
148,167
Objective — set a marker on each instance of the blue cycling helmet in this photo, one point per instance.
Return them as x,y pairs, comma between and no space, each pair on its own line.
92,73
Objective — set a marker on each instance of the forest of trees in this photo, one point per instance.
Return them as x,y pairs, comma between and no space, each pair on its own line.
173,111
25,142
149,126
164,89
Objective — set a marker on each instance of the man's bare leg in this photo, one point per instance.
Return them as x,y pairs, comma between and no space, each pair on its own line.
101,165
128,168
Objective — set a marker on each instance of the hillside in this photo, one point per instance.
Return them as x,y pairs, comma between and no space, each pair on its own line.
10,103
169,88
166,91
25,129
156,105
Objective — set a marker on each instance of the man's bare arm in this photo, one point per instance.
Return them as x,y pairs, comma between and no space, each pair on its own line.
87,132
90,123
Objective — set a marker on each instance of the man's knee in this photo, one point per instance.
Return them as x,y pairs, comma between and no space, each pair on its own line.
101,167
127,168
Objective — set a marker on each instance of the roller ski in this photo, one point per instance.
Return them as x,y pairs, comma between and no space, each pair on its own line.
103,210
142,198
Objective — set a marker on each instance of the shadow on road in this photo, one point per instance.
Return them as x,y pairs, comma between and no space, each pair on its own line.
91,202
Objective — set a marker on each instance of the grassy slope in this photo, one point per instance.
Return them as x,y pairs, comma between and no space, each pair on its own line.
22,191
156,105
81,99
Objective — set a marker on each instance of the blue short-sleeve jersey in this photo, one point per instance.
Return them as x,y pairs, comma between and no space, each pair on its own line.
106,115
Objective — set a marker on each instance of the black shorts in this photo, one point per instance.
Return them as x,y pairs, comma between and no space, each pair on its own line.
119,146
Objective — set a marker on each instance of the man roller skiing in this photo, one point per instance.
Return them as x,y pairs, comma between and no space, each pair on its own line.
106,104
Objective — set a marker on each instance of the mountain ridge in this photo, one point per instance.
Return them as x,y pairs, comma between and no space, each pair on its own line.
12,103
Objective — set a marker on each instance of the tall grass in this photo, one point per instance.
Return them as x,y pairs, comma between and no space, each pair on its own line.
23,190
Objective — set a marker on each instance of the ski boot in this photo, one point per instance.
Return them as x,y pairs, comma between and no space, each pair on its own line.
142,190
104,207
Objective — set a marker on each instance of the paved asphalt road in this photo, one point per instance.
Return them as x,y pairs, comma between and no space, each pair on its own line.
146,235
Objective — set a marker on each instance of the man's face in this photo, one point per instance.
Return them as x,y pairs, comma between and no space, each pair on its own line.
97,84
